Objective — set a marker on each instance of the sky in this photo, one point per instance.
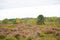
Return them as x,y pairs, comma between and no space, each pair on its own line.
29,8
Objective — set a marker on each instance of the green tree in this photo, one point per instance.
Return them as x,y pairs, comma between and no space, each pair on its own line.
0,22
40,19
13,21
58,19
17,20
5,21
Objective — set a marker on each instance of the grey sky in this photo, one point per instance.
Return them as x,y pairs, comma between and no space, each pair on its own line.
29,8
26,3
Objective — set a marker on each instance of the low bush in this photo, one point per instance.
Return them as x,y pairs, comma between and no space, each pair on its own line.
29,38
11,38
2,37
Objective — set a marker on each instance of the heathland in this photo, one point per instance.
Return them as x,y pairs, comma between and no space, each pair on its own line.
40,28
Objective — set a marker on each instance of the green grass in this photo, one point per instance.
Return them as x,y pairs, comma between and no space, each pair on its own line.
11,38
8,26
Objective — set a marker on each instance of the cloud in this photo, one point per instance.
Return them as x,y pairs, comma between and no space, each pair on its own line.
28,8
48,11
26,3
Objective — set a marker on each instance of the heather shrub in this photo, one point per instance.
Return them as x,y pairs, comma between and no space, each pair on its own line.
49,31
18,37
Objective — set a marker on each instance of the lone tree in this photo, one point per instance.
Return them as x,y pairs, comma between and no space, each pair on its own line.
40,20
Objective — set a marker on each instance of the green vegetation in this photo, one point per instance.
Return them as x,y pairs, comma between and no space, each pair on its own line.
5,21
40,19
29,38
33,21
2,37
11,38
22,29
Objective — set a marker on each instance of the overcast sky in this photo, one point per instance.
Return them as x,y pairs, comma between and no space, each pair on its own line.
29,8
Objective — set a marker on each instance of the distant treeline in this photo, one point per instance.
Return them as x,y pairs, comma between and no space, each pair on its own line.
37,20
